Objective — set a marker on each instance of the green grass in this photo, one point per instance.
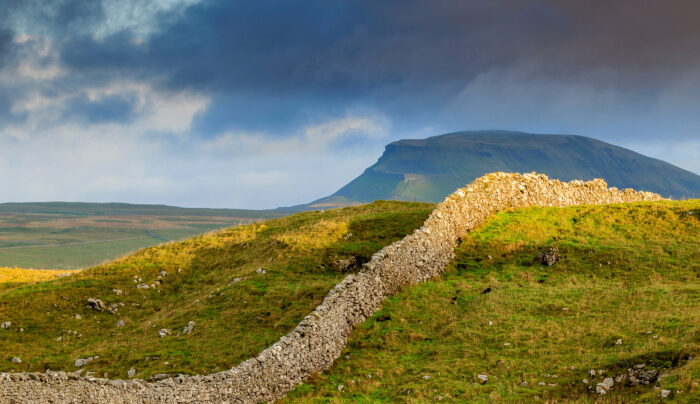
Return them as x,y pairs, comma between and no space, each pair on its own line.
64,240
630,272
234,321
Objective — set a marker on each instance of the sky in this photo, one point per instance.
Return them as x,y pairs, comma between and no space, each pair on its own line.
266,103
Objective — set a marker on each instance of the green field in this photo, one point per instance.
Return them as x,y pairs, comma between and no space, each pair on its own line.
78,235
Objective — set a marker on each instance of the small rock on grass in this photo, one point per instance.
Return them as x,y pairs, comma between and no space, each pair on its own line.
188,328
120,323
5,325
260,271
96,304
164,332
131,373
483,378
16,360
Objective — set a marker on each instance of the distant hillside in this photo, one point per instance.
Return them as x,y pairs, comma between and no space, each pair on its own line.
92,209
429,169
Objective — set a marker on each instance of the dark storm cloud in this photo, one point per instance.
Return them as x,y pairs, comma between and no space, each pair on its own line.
271,64
396,54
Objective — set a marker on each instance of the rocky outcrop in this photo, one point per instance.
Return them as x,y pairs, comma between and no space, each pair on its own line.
319,339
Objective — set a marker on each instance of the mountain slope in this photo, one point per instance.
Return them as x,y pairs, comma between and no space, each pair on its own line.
429,169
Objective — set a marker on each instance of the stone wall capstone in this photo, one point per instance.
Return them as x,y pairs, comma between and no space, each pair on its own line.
319,338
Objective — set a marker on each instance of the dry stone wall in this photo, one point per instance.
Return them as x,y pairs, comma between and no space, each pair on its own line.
319,339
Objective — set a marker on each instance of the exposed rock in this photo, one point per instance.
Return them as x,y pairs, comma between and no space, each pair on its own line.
159,376
163,332
113,308
234,281
117,292
80,362
605,386
188,328
96,304
346,264
120,323
143,286
665,393
131,373
260,271
482,378
5,325
78,317
619,341
16,360
549,257
640,375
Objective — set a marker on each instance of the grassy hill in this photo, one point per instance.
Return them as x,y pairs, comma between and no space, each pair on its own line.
626,293
629,273
209,279
430,169
77,235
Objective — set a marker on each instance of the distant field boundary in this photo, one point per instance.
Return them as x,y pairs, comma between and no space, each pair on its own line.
319,339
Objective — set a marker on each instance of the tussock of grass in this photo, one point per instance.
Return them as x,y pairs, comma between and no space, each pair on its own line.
234,320
21,275
630,272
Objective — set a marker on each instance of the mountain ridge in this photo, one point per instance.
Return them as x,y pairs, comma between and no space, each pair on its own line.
429,169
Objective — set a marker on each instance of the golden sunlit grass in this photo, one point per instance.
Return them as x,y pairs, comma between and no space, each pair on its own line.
209,279
20,275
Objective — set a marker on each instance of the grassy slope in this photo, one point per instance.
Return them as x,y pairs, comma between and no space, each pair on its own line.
630,272
233,321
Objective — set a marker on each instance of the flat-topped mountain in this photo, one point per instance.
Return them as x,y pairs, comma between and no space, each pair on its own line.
429,169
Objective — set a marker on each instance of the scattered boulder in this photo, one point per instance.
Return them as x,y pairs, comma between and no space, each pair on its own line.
260,271
80,362
164,332
188,328
96,304
113,308
346,264
120,323
78,317
665,393
16,360
235,280
483,378
117,292
639,375
5,325
131,373
143,286
549,257
604,386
